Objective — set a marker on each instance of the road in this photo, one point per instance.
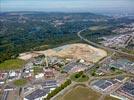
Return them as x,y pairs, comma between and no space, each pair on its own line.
64,91
4,96
100,46
130,39
112,76
71,86
67,89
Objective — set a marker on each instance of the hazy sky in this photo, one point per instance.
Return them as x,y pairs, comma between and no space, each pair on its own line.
68,5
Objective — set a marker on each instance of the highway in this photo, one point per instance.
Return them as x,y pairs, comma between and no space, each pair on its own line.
100,46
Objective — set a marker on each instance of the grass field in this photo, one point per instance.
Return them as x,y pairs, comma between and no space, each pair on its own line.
11,64
20,82
81,93
37,70
81,78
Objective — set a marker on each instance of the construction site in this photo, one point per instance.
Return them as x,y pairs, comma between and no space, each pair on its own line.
77,51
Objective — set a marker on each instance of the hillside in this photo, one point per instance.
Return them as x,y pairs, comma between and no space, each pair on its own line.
26,31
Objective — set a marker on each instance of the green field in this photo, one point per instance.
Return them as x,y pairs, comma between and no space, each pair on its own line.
79,77
81,93
20,82
12,64
37,70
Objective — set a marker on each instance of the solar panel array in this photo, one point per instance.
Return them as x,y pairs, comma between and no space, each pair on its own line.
49,84
128,88
104,84
37,94
70,66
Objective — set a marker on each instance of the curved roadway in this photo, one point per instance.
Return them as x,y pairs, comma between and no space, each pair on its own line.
100,46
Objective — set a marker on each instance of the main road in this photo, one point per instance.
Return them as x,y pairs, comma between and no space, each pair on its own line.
100,46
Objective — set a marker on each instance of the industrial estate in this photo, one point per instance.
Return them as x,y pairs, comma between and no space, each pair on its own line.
72,68
71,55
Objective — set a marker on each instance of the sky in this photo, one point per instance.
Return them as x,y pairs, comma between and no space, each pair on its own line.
126,6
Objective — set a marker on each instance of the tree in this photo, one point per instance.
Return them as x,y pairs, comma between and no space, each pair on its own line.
58,89
113,68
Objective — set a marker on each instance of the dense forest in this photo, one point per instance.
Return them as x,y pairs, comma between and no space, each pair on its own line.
27,31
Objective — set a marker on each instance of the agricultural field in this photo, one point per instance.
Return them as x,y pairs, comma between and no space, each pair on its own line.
12,64
81,93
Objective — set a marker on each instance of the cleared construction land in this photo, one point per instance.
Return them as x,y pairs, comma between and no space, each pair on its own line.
72,51
93,28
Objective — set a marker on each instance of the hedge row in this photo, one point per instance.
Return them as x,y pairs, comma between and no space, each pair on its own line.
58,89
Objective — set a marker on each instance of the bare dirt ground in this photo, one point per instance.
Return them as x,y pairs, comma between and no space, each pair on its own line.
73,51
